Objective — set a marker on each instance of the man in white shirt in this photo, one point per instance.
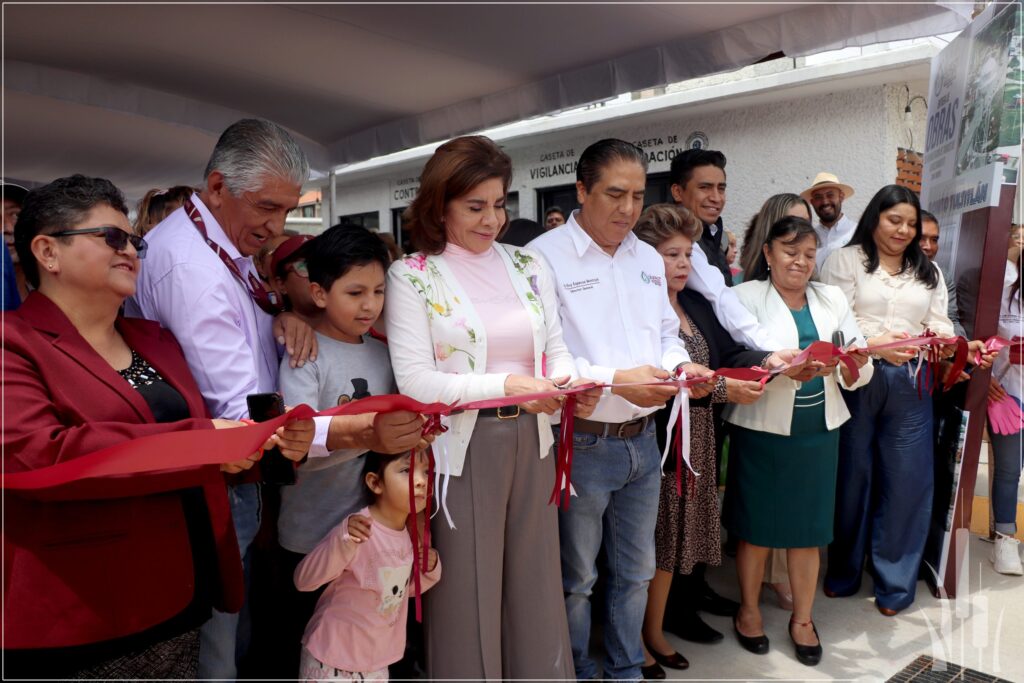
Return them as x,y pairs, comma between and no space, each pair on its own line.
826,195
698,183
620,327
200,282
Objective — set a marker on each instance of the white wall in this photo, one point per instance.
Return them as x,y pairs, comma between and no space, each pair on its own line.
771,147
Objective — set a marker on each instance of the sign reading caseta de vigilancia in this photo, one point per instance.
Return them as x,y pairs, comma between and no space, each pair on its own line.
560,164
555,164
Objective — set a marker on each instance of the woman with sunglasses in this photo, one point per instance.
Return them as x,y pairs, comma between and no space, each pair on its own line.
289,276
109,577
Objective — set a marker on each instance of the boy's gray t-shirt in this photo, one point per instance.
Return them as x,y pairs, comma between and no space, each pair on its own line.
328,489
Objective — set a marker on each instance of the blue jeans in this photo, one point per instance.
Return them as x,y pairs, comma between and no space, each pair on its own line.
1006,456
884,488
617,482
218,638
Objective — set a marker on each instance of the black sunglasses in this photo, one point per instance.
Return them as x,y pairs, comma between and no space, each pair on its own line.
116,238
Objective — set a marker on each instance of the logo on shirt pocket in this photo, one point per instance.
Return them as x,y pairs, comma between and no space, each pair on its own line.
650,279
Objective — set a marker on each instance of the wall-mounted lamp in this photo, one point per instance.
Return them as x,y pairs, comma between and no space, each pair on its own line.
907,118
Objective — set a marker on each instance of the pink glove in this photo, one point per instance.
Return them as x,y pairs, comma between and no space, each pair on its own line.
1005,416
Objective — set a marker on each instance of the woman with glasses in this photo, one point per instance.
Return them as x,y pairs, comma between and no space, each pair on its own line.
289,276
104,578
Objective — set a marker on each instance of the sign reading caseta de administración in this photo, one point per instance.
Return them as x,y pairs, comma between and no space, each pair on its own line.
973,140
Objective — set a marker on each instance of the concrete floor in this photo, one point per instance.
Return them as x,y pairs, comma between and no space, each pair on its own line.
981,630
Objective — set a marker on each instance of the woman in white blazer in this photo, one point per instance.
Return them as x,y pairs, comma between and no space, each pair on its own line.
469,319
784,448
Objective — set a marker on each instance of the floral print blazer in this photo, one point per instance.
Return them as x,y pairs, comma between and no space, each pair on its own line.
438,343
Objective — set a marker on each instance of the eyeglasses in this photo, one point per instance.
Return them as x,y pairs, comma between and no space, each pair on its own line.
116,238
299,268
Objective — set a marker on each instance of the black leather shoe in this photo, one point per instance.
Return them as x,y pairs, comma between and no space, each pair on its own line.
654,672
756,644
673,661
689,626
711,602
808,655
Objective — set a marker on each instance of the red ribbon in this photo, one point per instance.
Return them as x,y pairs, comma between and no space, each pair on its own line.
421,560
175,450
563,458
998,343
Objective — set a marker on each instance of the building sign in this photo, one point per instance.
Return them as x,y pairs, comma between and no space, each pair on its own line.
558,163
972,148
660,148
973,138
403,191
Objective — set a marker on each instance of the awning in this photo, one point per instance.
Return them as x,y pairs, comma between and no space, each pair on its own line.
138,93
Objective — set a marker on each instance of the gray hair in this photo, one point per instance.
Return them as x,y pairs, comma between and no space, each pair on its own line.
252,150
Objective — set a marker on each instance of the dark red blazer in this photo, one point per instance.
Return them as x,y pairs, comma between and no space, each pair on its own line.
108,557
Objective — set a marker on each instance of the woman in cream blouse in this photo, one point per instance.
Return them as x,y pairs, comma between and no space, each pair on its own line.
884,499
469,319
784,448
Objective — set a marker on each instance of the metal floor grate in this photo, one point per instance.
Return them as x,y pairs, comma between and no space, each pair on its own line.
922,670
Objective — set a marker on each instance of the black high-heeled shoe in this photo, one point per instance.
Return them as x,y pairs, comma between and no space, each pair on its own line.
654,672
756,644
808,655
673,661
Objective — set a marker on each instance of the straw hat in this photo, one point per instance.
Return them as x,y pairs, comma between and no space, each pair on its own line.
823,180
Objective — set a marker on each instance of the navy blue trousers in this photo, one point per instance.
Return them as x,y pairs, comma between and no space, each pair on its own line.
884,488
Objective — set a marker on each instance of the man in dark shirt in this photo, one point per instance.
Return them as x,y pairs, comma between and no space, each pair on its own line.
698,183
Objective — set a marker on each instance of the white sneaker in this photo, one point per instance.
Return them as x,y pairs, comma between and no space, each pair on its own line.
1005,556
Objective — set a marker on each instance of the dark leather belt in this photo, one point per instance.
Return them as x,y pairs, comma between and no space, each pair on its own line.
507,413
621,430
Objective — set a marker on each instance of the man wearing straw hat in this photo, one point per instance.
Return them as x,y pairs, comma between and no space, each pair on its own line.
826,195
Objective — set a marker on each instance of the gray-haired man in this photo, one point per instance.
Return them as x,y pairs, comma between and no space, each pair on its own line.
201,284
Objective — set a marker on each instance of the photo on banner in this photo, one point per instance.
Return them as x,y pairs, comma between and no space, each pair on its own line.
973,142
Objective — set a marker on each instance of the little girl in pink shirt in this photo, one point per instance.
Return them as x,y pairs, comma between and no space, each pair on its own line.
358,628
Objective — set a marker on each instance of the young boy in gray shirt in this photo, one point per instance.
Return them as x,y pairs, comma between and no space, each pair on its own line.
347,268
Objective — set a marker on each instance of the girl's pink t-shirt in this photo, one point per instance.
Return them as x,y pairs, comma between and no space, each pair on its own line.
359,622
509,334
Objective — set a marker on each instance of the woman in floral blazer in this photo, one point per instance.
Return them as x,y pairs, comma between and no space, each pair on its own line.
469,319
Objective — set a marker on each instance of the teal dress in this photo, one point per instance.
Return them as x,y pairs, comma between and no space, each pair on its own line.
781,489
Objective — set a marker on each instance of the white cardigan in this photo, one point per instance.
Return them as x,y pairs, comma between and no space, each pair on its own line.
438,343
830,311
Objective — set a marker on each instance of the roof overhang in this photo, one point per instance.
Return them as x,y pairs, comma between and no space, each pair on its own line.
138,93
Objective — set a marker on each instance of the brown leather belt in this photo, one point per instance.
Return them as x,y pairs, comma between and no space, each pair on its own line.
621,430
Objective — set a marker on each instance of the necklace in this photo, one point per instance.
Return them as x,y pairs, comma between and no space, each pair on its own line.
786,299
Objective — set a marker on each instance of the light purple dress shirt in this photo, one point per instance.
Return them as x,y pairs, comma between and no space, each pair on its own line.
227,339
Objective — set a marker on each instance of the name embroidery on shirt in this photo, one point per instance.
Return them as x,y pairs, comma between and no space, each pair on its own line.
581,285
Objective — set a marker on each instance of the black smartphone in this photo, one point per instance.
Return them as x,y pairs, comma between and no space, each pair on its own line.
838,338
275,468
